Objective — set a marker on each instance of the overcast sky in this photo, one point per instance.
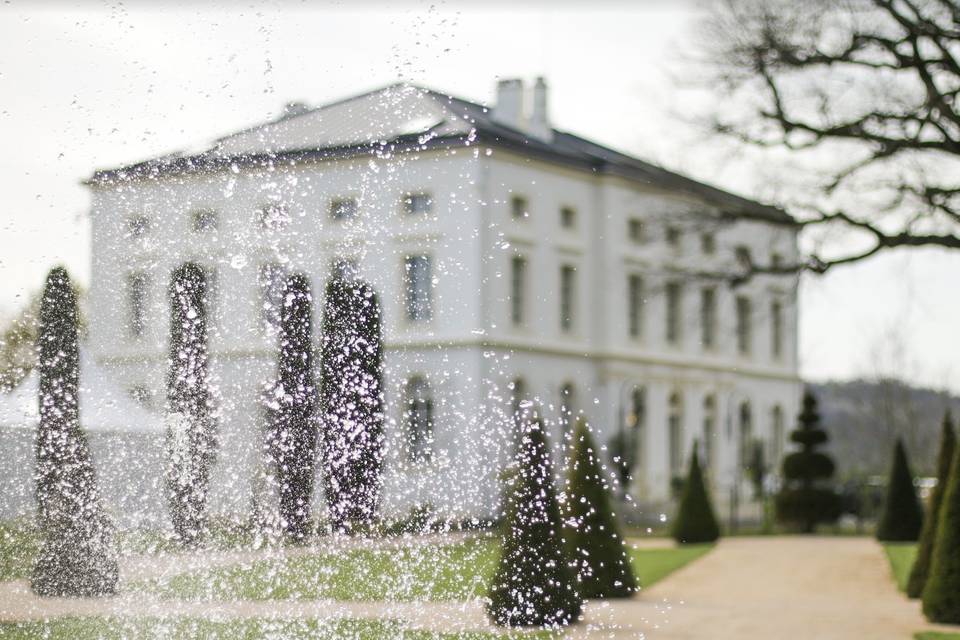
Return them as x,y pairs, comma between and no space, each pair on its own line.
90,84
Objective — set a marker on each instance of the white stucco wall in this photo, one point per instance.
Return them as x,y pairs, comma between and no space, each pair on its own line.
469,351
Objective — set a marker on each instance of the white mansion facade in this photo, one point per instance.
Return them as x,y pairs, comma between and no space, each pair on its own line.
513,262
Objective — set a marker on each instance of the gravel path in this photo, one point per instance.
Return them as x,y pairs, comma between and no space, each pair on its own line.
789,588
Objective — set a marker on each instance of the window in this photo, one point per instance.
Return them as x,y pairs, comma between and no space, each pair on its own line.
519,207
344,209
518,398
675,434
673,293
205,221
746,434
776,329
272,217
567,399
708,317
708,244
568,292
709,432
635,230
344,269
137,286
418,418
518,278
673,235
418,287
742,254
568,217
634,305
138,226
271,278
417,203
141,394
744,328
776,445
776,260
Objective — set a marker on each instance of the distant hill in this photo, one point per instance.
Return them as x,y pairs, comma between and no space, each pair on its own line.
864,417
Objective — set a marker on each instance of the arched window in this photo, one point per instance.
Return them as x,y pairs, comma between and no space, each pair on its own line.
675,434
567,403
419,419
776,446
708,446
746,433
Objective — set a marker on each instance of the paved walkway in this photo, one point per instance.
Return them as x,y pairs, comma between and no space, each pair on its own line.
783,588
790,588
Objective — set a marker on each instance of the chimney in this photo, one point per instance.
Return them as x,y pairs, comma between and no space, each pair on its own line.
539,120
509,107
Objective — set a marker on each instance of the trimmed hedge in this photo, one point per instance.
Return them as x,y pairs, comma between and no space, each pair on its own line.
535,584
294,434
807,498
921,566
76,556
902,516
592,533
191,432
351,390
695,522
941,595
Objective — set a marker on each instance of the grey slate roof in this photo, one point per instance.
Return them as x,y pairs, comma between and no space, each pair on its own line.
407,118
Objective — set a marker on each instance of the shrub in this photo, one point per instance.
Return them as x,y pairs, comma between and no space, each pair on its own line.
921,566
902,516
191,443
941,594
807,497
695,521
534,583
593,536
76,556
294,438
352,404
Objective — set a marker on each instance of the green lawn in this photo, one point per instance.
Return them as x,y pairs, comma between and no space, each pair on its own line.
936,635
652,565
449,572
92,628
901,556
18,545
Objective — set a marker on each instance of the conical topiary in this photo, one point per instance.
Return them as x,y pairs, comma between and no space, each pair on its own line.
921,566
941,594
534,585
294,437
593,537
902,516
191,426
351,391
76,555
807,498
695,521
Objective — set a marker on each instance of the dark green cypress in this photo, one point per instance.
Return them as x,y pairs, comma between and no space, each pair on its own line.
191,432
807,497
902,516
593,536
535,584
351,387
695,522
941,595
921,566
76,555
294,437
